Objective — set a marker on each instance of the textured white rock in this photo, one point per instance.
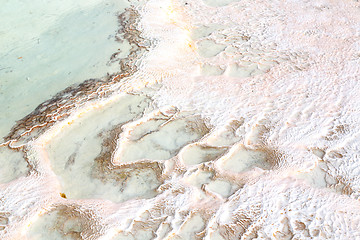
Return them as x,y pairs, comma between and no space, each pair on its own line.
260,141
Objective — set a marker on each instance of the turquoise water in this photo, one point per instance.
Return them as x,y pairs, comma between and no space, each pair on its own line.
48,45
230,119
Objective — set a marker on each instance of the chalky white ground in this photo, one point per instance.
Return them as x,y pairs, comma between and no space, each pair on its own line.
242,122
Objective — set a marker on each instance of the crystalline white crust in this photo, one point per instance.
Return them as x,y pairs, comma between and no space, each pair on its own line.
239,120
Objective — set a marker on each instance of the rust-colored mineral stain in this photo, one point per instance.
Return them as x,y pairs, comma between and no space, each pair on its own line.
63,195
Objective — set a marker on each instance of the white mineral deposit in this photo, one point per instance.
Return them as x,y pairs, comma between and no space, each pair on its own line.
179,119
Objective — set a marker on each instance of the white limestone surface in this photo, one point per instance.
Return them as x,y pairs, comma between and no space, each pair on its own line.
240,121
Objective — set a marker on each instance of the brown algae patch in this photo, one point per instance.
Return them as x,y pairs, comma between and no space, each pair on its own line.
81,154
105,170
63,103
139,179
197,153
66,222
4,220
158,136
14,164
240,159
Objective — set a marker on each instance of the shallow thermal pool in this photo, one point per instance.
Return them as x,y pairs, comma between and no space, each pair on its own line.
180,119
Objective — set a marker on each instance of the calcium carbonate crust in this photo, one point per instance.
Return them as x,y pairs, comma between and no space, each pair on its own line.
228,120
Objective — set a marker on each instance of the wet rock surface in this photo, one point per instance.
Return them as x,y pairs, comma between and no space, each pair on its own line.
200,135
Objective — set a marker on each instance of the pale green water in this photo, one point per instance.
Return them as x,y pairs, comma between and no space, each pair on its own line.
237,120
48,45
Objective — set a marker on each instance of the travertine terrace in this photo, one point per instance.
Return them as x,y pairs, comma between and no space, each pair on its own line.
225,120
